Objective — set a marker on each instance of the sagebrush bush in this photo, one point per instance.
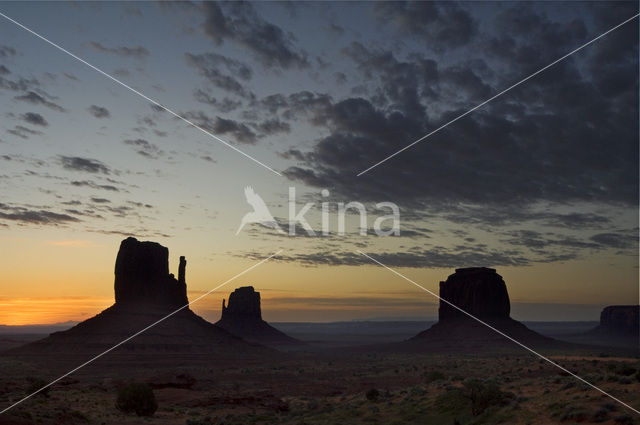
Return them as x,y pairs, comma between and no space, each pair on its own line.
37,384
434,375
484,394
138,398
373,394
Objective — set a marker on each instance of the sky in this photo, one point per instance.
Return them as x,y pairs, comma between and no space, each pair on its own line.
540,183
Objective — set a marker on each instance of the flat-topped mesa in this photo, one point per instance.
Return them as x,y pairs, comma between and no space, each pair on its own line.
242,317
142,275
244,302
479,291
620,320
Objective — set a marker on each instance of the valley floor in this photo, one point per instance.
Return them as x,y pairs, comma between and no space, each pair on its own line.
509,387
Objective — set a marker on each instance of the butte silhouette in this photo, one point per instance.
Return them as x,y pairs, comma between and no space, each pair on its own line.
481,292
145,292
243,317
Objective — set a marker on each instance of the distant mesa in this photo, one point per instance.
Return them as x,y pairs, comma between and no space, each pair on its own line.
145,292
243,317
482,293
620,321
479,291
244,304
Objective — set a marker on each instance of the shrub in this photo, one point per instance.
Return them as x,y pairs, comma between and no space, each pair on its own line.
373,394
625,370
574,414
484,395
35,384
601,415
138,398
434,375
624,419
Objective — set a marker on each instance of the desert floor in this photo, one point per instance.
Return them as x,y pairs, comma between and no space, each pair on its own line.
332,387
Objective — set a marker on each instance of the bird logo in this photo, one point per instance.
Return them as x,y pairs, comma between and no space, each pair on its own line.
260,213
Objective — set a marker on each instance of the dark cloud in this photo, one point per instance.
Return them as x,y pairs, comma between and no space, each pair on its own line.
144,148
581,145
137,52
156,108
225,105
23,132
7,51
19,85
506,214
223,72
121,211
298,105
139,232
140,204
36,99
434,258
526,40
76,163
34,118
100,200
239,132
93,185
544,241
294,154
70,76
240,23
272,126
335,28
25,215
618,240
440,25
98,111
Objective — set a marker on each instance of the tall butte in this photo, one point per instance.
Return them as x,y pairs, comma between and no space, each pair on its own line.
142,276
243,317
146,296
482,293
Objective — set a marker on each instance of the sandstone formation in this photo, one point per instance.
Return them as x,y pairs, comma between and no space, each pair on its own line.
145,293
244,303
142,275
620,320
477,290
243,317
481,292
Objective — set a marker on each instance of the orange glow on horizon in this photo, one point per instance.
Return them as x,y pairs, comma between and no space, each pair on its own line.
49,310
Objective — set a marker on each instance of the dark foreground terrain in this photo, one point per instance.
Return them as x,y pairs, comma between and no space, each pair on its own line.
330,387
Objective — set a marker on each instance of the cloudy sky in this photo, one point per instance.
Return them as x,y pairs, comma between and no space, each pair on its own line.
540,183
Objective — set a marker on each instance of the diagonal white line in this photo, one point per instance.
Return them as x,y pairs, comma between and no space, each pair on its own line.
501,333
140,94
497,95
141,331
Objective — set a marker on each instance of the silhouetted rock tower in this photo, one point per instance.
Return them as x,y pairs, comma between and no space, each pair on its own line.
479,291
242,317
142,275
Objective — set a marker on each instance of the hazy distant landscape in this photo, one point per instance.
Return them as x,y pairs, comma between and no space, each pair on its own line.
339,333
